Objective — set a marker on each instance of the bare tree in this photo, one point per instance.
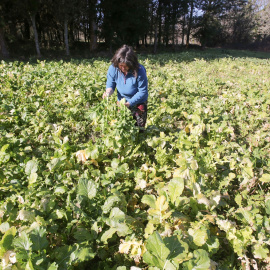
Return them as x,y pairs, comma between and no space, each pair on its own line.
93,25
191,11
33,6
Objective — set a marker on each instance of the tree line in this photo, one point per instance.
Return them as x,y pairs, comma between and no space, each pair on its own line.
110,23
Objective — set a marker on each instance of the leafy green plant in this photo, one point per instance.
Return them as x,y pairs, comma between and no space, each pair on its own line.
82,188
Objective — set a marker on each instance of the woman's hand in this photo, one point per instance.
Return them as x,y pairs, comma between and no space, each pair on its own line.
107,93
119,103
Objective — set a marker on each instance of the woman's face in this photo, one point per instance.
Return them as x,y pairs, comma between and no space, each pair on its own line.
123,67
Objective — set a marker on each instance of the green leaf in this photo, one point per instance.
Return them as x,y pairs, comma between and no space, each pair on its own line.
87,188
200,261
199,236
39,240
53,266
116,216
60,190
117,220
175,188
83,254
156,246
23,242
83,235
265,178
63,256
108,234
123,229
33,178
202,199
29,265
194,165
178,249
153,260
6,242
149,200
267,207
110,201
55,163
31,167
115,163
4,227
260,251
4,157
58,214
212,245
238,199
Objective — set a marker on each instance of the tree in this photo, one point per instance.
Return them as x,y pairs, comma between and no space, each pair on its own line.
92,7
190,21
33,7
3,45
127,24
220,21
262,11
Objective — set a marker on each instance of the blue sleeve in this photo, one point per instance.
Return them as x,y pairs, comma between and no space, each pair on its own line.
142,93
111,78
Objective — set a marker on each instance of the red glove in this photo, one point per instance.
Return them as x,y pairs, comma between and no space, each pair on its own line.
141,107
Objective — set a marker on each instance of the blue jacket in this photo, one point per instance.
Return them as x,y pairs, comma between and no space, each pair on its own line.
134,90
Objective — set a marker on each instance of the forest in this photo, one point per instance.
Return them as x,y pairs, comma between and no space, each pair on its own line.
79,27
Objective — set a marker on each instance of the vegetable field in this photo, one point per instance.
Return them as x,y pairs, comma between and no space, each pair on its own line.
81,188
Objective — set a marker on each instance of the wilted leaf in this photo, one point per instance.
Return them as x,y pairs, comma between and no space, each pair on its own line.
26,215
81,156
161,204
203,200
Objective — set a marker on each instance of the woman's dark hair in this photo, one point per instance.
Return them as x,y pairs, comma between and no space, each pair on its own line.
127,56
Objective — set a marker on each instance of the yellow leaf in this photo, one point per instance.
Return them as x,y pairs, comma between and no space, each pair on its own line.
153,212
93,161
81,156
167,215
124,247
149,229
161,204
113,122
185,114
177,173
187,129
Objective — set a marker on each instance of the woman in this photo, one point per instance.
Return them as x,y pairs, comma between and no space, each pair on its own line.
130,78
